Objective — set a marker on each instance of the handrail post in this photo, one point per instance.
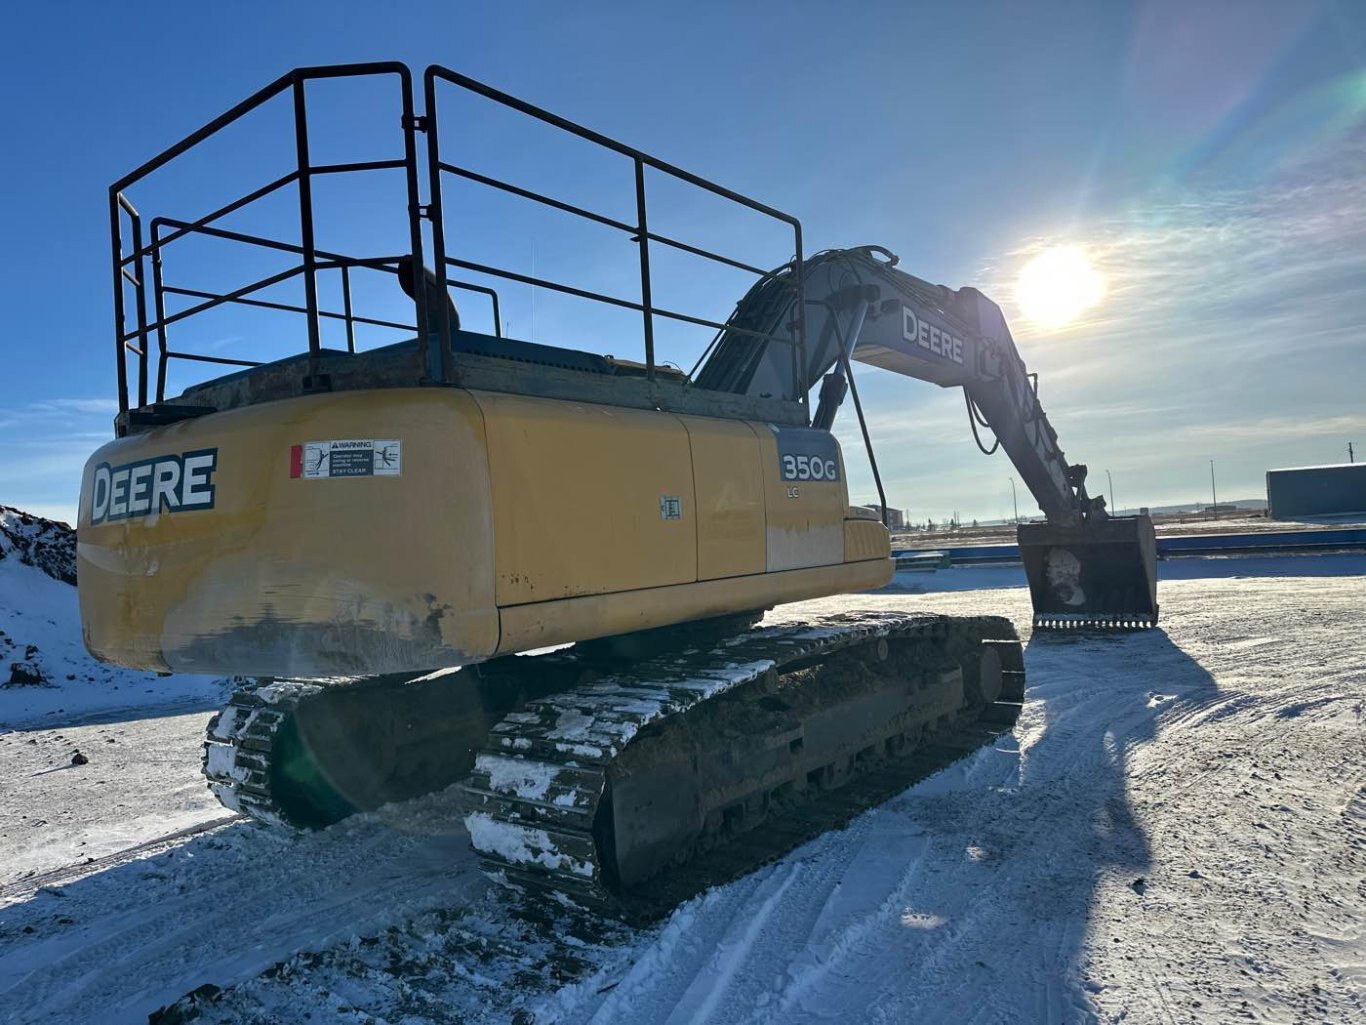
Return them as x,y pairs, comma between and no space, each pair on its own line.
139,287
159,301
646,298
306,223
346,308
437,218
120,353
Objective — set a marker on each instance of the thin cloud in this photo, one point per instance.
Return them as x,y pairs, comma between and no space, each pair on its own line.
1233,327
91,406
44,447
1281,428
1279,256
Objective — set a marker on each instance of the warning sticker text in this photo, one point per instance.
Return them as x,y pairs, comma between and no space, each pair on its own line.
314,460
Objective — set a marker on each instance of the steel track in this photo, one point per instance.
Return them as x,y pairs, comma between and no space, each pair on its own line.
541,782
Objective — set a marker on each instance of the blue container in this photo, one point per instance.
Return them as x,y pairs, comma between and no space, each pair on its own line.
1316,491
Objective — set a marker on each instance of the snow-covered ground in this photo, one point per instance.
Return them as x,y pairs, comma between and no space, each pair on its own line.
1174,832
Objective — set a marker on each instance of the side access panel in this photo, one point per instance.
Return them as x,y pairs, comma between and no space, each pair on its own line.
729,480
805,495
587,499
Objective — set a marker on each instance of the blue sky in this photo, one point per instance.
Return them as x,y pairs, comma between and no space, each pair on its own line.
1210,158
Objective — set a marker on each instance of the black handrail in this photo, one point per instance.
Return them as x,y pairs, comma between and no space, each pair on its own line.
255,100
329,261
349,318
294,81
131,269
222,211
639,231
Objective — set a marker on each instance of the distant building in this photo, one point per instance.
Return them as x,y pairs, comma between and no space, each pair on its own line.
896,518
1337,490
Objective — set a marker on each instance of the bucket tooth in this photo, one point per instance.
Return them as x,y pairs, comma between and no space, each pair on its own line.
1095,575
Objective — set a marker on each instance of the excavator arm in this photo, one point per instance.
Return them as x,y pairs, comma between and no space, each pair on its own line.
1084,566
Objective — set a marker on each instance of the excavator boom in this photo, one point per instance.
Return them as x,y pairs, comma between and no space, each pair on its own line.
1083,565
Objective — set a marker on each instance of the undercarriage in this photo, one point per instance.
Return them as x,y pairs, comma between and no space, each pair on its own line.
629,783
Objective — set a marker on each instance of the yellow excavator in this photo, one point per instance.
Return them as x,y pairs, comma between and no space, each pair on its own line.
346,527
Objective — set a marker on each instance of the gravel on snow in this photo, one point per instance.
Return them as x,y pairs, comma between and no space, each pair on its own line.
139,781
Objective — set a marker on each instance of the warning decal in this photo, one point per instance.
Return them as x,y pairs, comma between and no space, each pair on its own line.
315,460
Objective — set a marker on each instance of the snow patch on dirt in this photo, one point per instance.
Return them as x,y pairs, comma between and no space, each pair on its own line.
48,545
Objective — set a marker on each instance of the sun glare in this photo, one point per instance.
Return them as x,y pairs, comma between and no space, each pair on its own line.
1058,285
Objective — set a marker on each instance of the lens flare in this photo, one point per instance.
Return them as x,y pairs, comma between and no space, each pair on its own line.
1057,286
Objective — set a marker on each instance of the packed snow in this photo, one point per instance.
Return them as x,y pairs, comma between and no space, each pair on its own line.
1175,831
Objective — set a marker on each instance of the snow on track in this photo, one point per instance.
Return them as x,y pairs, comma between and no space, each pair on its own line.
1174,832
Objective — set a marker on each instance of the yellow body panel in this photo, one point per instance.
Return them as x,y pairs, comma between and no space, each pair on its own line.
308,577
512,522
576,493
729,484
805,517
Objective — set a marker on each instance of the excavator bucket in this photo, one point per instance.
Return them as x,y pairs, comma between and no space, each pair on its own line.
1095,574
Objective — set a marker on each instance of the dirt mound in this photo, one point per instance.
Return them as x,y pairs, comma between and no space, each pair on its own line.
47,544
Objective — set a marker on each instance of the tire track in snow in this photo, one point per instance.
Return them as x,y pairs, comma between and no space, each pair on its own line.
222,908
980,915
725,949
868,914
700,1003
30,885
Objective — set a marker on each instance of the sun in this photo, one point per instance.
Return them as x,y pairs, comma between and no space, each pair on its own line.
1058,285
